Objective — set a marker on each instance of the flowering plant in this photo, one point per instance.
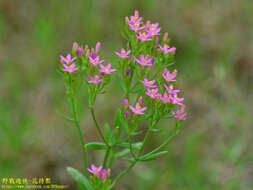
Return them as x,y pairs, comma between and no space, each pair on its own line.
148,83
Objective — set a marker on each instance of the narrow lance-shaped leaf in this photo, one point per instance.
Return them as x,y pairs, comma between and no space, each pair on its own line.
65,117
96,146
122,153
136,146
153,156
80,179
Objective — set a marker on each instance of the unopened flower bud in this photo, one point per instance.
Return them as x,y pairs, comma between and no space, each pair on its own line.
93,54
127,72
87,51
165,36
109,172
80,51
127,19
136,13
127,115
140,100
157,39
147,23
153,60
98,45
125,102
75,46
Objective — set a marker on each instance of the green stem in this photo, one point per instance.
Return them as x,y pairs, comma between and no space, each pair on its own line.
123,173
111,159
166,142
80,136
146,138
106,156
131,147
97,126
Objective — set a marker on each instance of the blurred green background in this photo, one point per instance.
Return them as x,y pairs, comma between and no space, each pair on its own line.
214,40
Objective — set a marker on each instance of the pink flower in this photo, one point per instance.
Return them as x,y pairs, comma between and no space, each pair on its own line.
70,68
166,49
177,100
123,53
95,80
135,18
152,93
142,36
67,59
180,114
149,84
106,69
94,170
136,26
103,174
153,29
171,90
145,61
99,172
166,98
95,61
169,77
137,109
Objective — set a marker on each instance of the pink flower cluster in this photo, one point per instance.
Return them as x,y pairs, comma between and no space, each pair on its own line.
68,64
99,172
93,58
145,32
164,91
169,95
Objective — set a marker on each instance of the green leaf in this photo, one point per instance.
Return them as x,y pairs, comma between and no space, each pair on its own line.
152,156
129,159
135,133
107,132
65,117
137,90
155,130
135,146
167,116
117,121
80,179
96,146
122,153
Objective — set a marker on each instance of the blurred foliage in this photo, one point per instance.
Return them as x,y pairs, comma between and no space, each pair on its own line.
214,59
